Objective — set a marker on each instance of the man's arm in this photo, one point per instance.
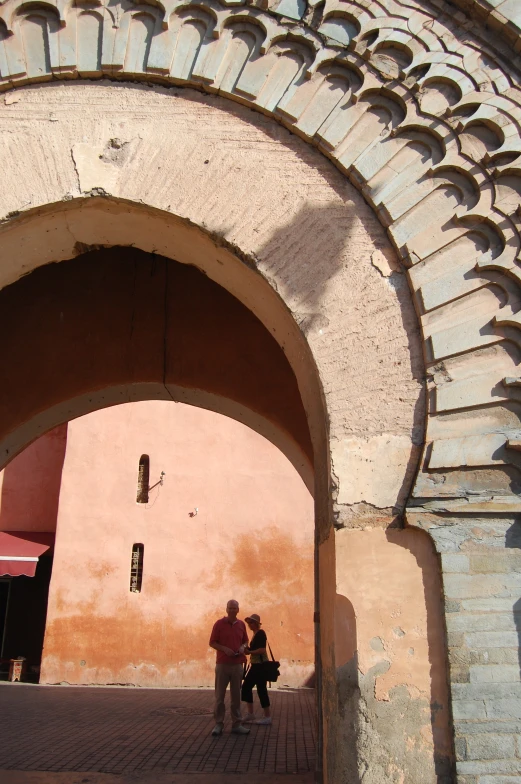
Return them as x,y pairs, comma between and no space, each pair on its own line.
217,647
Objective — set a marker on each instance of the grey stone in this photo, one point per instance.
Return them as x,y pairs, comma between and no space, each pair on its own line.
503,708
475,586
452,606
491,655
490,747
479,727
488,563
490,605
489,766
494,780
455,562
484,622
459,657
494,673
460,747
476,691
492,639
455,639
459,675
469,709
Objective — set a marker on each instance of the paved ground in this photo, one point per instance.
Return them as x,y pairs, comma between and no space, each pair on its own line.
146,734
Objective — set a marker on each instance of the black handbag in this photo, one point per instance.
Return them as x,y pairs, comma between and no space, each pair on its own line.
271,668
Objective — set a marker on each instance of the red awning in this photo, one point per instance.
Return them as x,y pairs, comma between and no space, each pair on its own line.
20,550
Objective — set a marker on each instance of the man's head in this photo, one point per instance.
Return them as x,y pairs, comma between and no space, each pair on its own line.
232,609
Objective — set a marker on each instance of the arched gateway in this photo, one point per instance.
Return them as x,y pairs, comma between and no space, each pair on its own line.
403,418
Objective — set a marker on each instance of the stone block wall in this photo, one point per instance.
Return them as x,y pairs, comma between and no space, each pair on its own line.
481,565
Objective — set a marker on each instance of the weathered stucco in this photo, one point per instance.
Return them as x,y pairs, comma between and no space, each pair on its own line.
332,289
391,658
251,538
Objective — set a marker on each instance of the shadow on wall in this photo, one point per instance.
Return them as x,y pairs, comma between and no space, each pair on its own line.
328,274
31,485
513,540
380,731
443,751
348,688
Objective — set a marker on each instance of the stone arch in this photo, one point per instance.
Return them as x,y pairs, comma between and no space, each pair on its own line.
277,264
390,89
83,302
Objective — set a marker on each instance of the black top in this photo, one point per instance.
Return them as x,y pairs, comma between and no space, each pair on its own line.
259,640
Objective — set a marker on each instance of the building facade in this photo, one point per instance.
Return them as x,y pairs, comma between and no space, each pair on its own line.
226,516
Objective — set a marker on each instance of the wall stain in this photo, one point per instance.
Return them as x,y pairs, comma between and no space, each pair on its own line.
267,571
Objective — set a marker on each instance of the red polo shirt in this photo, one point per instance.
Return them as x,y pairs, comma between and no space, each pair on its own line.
233,635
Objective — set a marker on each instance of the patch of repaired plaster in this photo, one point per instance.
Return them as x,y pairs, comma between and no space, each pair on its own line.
373,470
99,168
385,262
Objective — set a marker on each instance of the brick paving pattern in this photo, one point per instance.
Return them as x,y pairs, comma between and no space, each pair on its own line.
53,728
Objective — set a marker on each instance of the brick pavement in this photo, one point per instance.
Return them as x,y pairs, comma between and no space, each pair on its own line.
145,731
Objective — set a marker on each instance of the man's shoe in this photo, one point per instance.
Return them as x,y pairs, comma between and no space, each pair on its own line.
218,730
266,721
240,730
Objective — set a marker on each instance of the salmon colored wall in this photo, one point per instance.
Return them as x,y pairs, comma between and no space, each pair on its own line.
30,485
252,539
391,643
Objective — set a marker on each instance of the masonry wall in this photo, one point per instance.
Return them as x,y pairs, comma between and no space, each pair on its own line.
251,538
482,584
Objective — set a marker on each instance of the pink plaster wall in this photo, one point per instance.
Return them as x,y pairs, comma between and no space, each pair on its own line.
30,485
252,540
390,633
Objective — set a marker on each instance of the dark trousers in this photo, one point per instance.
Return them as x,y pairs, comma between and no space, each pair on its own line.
255,677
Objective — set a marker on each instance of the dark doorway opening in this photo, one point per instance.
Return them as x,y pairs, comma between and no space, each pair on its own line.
23,610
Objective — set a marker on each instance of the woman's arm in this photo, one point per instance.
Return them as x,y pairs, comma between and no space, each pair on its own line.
257,651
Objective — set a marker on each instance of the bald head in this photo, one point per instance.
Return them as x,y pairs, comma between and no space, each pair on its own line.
232,609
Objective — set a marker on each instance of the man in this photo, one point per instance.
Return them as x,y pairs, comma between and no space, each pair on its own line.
229,639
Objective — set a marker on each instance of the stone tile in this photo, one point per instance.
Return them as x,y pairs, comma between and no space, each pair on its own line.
115,731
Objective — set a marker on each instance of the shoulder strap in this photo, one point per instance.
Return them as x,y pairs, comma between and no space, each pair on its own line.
271,652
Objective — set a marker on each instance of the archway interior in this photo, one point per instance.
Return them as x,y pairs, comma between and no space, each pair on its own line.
120,325
117,325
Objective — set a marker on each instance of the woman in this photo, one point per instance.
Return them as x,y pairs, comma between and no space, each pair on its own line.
255,674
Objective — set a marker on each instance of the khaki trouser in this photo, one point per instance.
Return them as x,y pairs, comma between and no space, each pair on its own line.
228,674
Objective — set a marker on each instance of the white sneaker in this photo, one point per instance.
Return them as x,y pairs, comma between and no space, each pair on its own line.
249,718
266,720
240,730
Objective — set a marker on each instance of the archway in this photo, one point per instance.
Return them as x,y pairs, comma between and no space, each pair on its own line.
68,297
151,328
421,113
158,308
